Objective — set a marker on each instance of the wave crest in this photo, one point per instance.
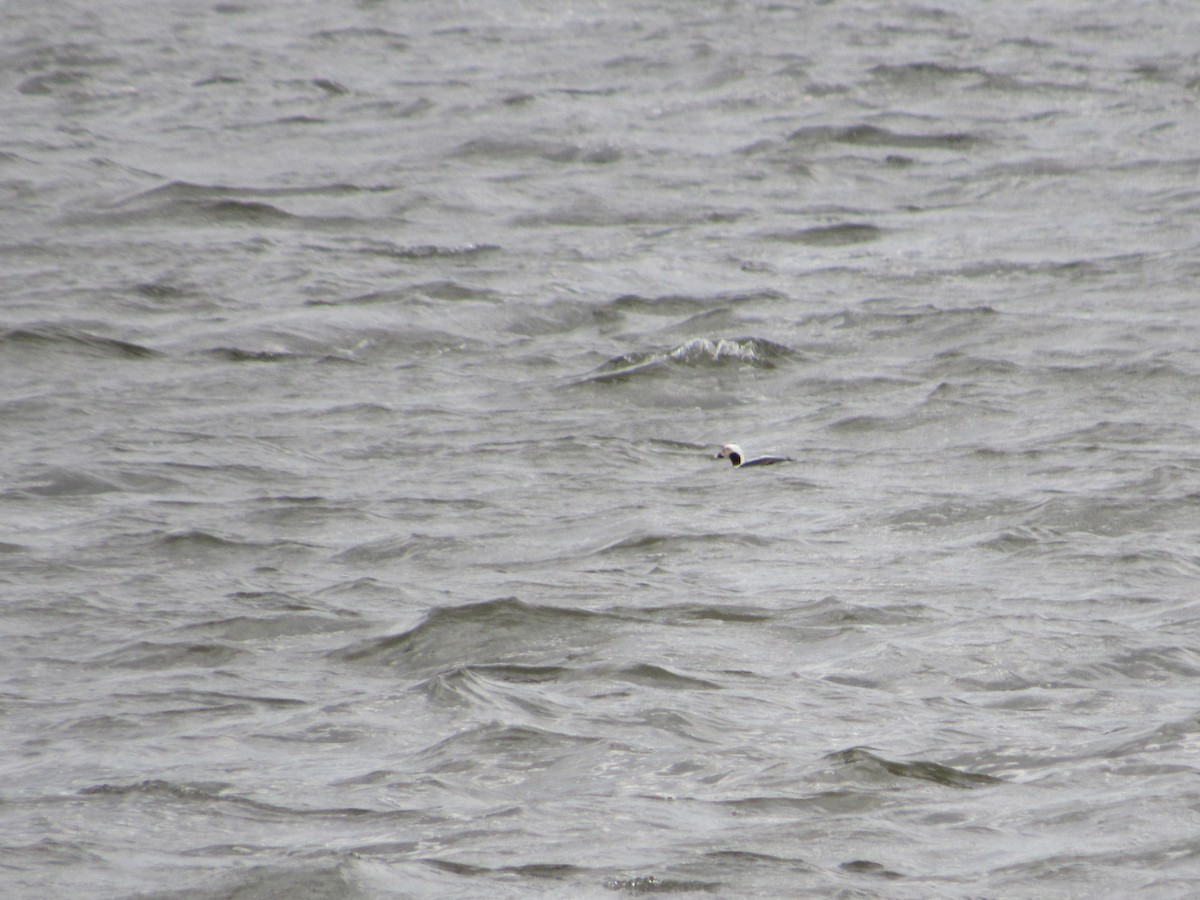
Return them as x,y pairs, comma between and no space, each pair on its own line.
696,353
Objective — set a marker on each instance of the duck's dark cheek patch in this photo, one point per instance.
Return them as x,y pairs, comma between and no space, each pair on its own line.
735,458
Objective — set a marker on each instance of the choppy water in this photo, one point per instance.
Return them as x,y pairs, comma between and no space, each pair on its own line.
362,367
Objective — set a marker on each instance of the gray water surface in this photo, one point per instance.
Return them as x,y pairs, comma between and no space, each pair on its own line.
362,367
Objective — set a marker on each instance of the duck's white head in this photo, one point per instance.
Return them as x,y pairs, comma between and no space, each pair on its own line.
731,452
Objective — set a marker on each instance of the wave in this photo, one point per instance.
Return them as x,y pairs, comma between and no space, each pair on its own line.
829,235
415,546
184,202
186,190
67,482
156,655
492,149
258,628
702,353
74,339
217,792
664,545
467,679
519,748
677,304
427,251
859,764
506,632
863,135
926,74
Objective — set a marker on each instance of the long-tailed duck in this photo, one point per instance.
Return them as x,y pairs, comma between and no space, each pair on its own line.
733,453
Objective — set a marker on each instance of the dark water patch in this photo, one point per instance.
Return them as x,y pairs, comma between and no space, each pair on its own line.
861,764
197,540
602,154
215,473
869,867
451,290
151,209
752,858
239,355
152,712
658,546
63,482
416,546
1152,528
1023,539
684,304
840,615
873,136
202,794
1094,271
1177,735
268,600
206,790
556,318
73,339
534,871
62,54
654,676
218,80
331,87
394,109
239,212
322,734
59,81
1032,167
597,212
958,398
173,701
926,75
494,149
40,854
486,752
1162,665
867,424
506,632
266,628
361,34
854,386
963,365
588,92
184,190
697,353
315,516
421,293
157,656
829,235
518,674
297,878
827,619
1123,374
184,203
888,319
355,412
1120,435
950,512
683,614
644,674
160,291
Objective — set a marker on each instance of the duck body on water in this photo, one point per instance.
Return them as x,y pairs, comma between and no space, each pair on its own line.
734,454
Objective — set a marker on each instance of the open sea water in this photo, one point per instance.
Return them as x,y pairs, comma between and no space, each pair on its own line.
362,365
